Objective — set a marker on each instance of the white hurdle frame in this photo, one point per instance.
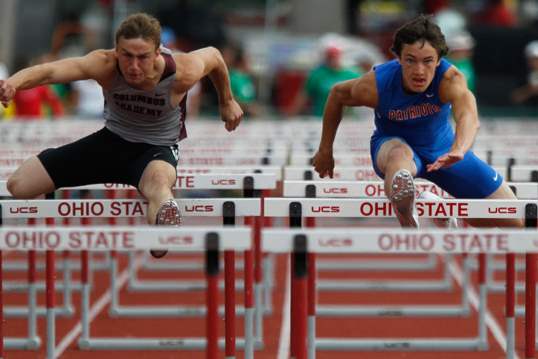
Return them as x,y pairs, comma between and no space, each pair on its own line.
383,240
209,239
129,208
343,207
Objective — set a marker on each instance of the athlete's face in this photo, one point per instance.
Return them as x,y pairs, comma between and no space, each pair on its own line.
136,59
419,61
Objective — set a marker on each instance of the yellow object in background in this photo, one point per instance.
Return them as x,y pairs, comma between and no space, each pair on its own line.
8,113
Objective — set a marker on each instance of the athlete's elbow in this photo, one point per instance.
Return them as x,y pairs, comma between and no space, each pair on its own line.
476,124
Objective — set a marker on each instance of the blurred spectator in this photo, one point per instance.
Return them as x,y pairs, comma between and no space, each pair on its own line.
320,80
3,71
241,80
87,99
8,112
38,102
460,54
33,103
527,94
449,19
496,13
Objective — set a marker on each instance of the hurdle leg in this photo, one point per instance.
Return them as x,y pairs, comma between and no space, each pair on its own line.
249,305
1,304
249,297
510,304
83,341
32,301
67,288
85,295
530,306
212,297
300,277
311,328
482,287
114,295
51,325
260,281
229,303
465,283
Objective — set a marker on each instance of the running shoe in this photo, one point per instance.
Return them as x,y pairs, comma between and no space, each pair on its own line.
403,198
167,215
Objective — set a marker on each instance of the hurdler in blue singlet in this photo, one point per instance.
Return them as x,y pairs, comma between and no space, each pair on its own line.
422,121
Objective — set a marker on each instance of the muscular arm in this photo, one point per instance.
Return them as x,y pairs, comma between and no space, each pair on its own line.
91,66
96,65
453,89
204,62
209,62
357,92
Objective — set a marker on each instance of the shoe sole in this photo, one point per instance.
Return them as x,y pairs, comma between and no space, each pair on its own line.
167,215
403,198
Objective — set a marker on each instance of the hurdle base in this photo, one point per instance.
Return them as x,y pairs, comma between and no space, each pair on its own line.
395,344
155,344
136,285
22,343
391,311
22,286
374,265
23,312
148,311
401,286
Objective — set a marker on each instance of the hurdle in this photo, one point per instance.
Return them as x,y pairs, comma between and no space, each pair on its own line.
306,173
200,239
338,240
129,208
343,207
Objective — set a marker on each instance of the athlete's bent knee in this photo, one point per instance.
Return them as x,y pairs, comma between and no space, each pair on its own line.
16,187
399,152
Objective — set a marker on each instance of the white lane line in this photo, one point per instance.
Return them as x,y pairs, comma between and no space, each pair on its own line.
492,324
284,341
95,309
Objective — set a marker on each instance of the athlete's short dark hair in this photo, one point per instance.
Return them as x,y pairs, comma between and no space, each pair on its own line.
140,25
422,28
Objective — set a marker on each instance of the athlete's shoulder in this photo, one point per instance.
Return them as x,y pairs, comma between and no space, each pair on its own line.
453,84
365,91
103,57
452,76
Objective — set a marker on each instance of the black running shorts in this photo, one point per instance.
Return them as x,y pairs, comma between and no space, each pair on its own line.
103,157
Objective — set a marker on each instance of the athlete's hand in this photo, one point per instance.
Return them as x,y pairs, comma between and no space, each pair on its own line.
6,92
323,162
446,160
231,113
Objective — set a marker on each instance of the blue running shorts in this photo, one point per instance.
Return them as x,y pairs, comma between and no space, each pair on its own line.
469,178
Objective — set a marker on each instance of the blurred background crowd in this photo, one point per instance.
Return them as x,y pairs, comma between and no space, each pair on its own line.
283,55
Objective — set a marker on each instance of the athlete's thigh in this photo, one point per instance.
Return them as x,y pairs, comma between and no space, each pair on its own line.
380,149
158,163
97,158
31,179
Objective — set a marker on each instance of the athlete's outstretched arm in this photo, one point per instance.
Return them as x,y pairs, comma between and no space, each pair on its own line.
357,92
454,90
208,61
61,71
